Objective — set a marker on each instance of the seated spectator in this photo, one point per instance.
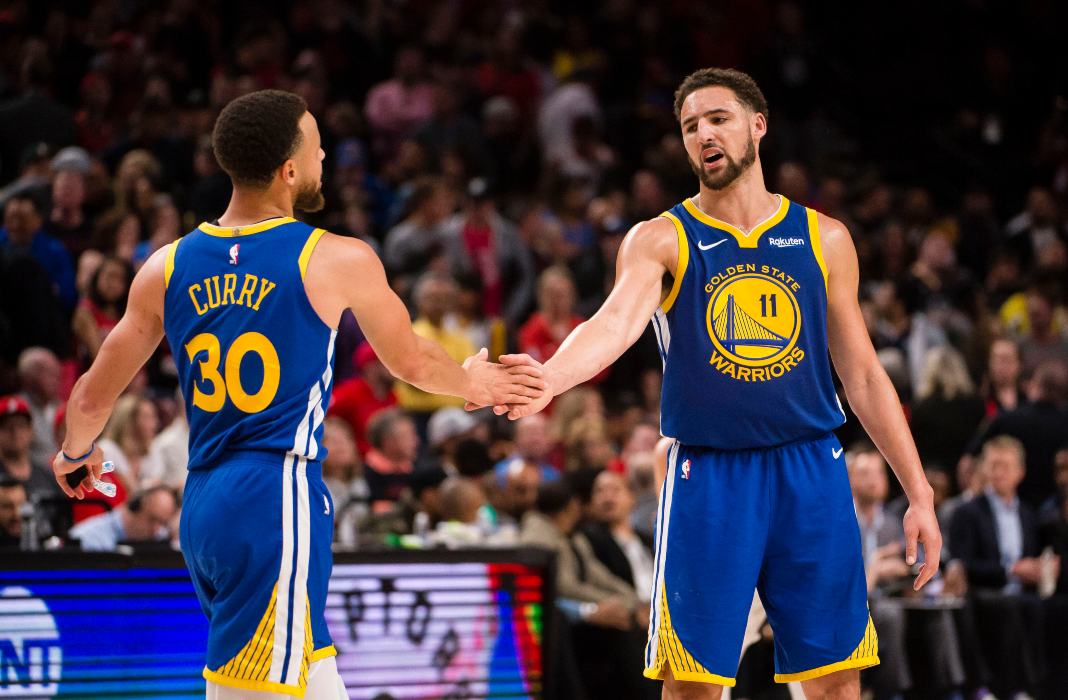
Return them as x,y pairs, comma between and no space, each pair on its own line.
461,501
447,428
41,376
356,400
532,446
947,411
12,499
23,231
146,517
1040,425
69,221
416,243
16,436
1051,507
1043,342
389,462
434,296
343,476
996,538
520,493
127,441
615,543
101,309
888,578
171,447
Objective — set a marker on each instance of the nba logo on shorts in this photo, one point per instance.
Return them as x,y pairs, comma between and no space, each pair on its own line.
686,469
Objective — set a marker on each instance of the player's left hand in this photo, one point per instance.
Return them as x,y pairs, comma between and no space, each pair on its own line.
495,385
921,526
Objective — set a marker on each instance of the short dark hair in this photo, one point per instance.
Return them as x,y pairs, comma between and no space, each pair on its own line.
256,133
554,496
742,84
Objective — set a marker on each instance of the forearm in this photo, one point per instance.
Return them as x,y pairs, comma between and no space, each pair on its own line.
432,370
591,347
875,403
87,414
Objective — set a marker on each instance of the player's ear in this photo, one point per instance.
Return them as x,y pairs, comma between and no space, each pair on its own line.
289,172
759,125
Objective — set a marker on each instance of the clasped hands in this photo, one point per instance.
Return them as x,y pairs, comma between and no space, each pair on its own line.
517,386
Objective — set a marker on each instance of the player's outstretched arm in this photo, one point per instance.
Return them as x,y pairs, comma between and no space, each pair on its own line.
125,350
346,273
649,250
872,396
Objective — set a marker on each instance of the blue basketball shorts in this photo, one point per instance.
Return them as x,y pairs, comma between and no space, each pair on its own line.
256,531
779,520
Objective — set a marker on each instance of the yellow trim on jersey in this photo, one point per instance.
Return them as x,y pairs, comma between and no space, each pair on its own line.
306,252
264,686
168,263
745,240
817,245
865,655
670,651
324,653
231,231
681,264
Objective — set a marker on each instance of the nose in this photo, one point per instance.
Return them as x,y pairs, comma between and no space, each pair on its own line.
706,131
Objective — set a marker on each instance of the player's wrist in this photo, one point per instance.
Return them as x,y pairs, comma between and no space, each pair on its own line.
75,453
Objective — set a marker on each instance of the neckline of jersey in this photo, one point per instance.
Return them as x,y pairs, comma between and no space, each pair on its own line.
745,240
234,231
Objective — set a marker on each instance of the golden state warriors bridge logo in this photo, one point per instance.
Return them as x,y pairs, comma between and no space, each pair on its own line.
753,319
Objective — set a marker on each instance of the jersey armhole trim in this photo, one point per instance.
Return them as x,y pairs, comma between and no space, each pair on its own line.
309,248
817,246
168,263
680,266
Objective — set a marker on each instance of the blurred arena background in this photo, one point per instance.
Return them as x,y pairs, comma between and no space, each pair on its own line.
495,153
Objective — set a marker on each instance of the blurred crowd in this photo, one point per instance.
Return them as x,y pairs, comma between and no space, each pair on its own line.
495,154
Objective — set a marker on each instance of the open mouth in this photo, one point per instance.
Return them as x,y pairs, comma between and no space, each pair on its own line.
711,156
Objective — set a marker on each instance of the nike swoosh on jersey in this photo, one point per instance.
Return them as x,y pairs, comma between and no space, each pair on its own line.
710,246
837,453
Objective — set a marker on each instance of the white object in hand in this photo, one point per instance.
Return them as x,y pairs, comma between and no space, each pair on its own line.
107,467
105,488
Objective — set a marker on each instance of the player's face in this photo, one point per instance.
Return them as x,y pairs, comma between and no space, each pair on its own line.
309,161
720,135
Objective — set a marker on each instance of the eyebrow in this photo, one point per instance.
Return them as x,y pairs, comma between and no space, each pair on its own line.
709,113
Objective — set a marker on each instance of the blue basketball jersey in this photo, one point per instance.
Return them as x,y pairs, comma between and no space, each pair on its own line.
743,333
254,360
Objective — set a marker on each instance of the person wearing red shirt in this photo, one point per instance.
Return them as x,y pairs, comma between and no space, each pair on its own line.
356,400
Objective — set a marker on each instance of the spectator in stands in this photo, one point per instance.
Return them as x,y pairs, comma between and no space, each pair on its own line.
146,517
397,107
127,441
100,310
1001,385
448,427
461,501
357,399
417,243
520,493
40,376
23,232
1051,508
1040,425
12,499
947,410
343,475
16,436
434,296
170,448
996,538
532,446
615,543
69,221
541,335
1042,343
391,459
883,543
481,241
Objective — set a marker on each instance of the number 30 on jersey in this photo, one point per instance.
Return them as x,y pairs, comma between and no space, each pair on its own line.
229,382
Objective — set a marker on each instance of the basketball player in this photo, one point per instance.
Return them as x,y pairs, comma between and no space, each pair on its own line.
250,305
756,494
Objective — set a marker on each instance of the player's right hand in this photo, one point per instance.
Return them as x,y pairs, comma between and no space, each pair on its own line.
492,384
94,465
516,411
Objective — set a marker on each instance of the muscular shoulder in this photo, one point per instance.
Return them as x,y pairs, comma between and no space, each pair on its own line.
340,255
837,244
655,239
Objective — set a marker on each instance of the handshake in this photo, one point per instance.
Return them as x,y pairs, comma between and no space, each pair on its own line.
518,385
